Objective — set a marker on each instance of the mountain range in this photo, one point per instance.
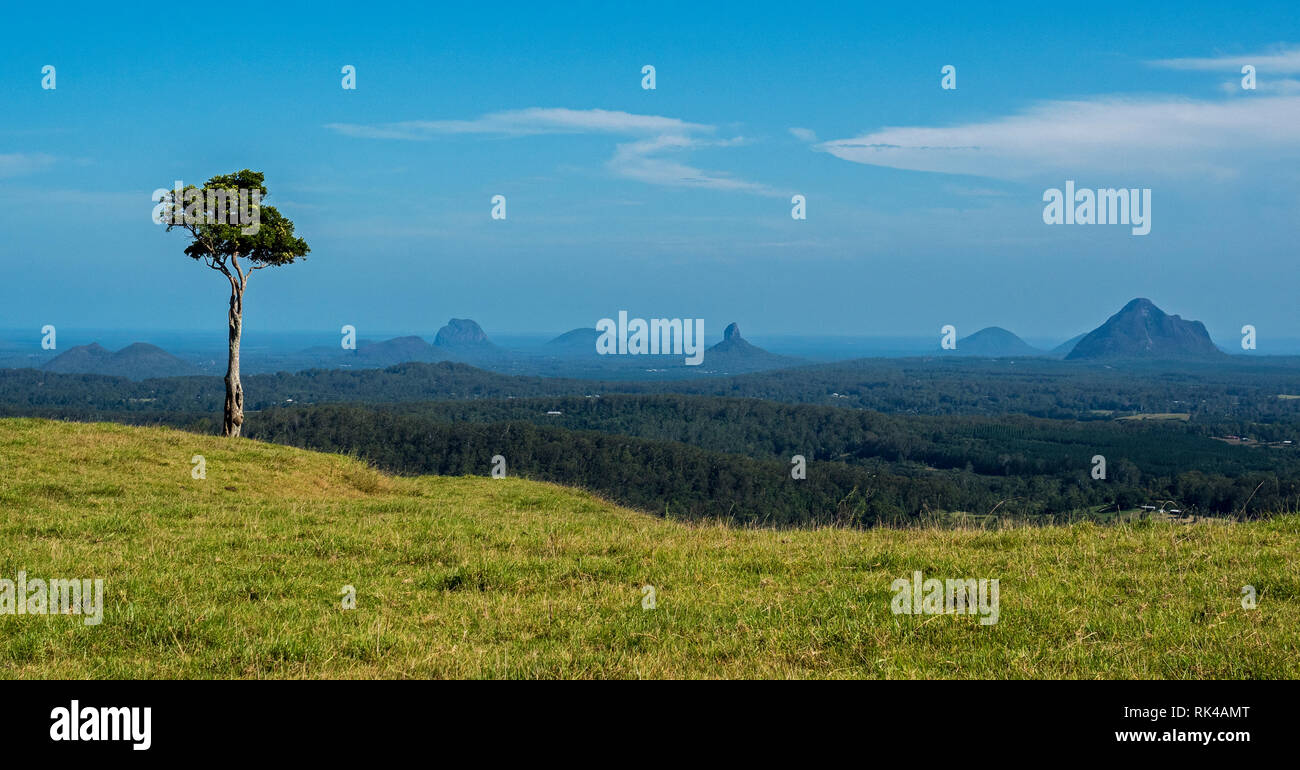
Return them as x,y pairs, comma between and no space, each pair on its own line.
137,361
1140,330
733,354
461,340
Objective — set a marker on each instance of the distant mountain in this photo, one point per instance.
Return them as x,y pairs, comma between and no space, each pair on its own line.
462,333
137,361
1063,350
736,354
1142,330
398,350
733,343
995,342
577,341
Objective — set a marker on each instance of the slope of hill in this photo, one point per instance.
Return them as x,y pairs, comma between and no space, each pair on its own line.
995,342
399,350
574,342
137,361
1142,330
1063,350
241,574
702,458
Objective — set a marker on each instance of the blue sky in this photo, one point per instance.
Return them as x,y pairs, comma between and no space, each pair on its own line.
671,202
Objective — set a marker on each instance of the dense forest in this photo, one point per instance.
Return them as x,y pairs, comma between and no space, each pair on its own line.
700,457
678,479
1248,390
1011,445
943,437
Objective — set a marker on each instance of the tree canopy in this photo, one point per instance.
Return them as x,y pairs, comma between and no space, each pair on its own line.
220,243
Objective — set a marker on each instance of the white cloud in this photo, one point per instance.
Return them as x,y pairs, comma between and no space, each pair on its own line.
535,120
804,134
1282,59
1158,136
643,158
1265,85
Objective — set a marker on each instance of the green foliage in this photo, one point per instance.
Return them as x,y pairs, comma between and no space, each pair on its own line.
218,241
727,458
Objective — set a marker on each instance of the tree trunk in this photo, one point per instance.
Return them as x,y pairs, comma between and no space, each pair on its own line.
234,388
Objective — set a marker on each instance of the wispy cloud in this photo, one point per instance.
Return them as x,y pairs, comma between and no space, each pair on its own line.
650,155
1160,136
645,161
19,163
531,121
1266,85
1282,59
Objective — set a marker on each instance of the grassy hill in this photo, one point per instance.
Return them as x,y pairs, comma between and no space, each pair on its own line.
240,574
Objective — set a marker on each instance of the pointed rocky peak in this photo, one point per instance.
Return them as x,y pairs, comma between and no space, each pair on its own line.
1142,330
736,354
1140,304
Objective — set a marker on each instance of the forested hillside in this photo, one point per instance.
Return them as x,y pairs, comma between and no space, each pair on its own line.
936,448
1244,389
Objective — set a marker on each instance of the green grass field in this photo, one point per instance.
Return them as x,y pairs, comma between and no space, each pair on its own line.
240,575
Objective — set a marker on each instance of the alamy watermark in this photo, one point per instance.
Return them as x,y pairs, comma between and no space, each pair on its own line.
103,723
1104,206
658,336
192,206
55,596
939,597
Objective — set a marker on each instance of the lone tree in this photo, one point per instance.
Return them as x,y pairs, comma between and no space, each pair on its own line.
227,223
